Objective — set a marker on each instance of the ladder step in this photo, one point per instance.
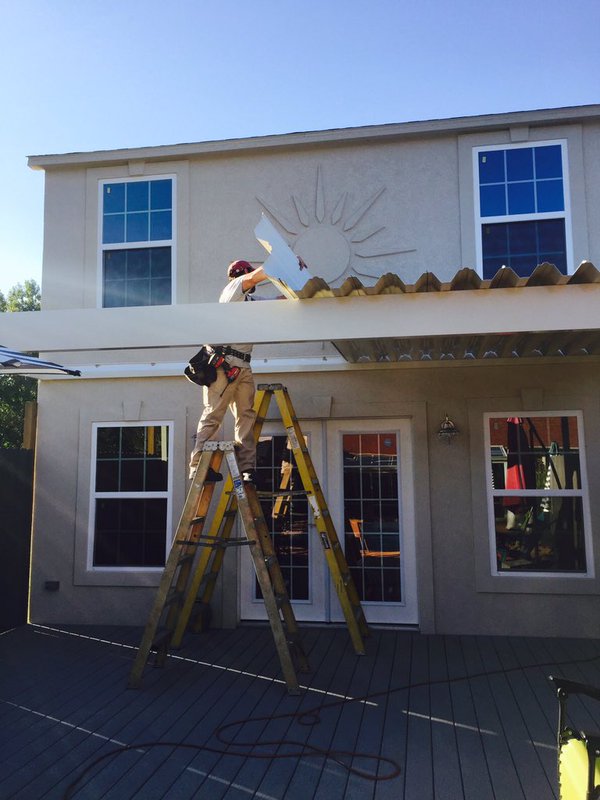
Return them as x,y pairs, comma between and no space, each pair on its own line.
294,493
185,559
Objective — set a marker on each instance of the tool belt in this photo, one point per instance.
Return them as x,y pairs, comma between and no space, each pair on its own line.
229,351
202,368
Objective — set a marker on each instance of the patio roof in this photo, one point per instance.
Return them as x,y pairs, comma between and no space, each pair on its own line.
547,315
521,344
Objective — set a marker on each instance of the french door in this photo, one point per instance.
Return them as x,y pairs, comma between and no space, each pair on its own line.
370,496
367,481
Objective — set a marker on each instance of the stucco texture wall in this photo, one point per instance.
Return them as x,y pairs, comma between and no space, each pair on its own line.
450,503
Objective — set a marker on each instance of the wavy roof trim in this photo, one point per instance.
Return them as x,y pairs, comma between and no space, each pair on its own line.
466,279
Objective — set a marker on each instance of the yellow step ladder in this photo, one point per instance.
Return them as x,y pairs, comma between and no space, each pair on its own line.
334,554
188,580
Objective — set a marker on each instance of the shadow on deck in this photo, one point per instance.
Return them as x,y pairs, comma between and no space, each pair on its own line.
454,717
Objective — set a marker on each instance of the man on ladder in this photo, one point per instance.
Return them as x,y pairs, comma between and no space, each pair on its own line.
232,385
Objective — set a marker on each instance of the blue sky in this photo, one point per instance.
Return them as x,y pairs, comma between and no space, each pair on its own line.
78,75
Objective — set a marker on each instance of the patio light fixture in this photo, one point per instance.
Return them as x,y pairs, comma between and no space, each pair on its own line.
448,430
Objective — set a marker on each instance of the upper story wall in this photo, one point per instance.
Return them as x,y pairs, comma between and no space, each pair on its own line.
397,200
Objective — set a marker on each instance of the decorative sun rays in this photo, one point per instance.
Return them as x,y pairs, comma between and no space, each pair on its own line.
337,244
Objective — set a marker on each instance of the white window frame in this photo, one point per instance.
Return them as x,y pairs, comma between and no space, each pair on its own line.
102,248
566,214
582,492
94,495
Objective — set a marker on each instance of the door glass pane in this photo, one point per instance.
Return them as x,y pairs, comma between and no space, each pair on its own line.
286,513
372,515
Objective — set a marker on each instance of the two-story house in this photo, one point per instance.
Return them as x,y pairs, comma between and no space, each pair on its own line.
430,243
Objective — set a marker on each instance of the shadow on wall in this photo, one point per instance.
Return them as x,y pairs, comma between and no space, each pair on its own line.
16,498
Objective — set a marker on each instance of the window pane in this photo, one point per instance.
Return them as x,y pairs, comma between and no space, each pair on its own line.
161,194
519,164
138,293
522,238
138,196
160,225
132,476
138,227
160,292
160,262
491,166
107,476
550,196
114,294
551,235
132,441
115,264
495,240
548,161
493,201
108,442
113,229
138,264
114,198
521,198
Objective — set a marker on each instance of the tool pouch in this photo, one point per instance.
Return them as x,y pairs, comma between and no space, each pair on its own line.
200,370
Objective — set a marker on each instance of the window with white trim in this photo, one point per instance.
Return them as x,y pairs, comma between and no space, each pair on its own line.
131,491
136,234
537,499
522,207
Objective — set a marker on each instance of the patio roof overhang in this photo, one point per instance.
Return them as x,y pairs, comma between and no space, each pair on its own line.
547,314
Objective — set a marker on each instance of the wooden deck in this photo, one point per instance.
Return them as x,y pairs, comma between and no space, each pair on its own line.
461,717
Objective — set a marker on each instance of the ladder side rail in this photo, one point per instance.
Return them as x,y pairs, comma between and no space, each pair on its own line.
195,529
264,579
336,560
167,577
209,562
277,579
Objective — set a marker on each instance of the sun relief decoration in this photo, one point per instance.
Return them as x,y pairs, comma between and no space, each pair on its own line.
336,243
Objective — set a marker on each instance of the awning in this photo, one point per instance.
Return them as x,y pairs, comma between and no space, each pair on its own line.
546,342
14,363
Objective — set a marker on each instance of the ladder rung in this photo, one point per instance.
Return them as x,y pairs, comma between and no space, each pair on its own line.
197,520
185,559
215,541
294,493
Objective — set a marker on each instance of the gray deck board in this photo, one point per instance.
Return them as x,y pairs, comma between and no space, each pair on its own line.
467,718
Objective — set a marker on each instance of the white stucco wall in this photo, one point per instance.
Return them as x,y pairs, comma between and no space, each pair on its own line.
455,593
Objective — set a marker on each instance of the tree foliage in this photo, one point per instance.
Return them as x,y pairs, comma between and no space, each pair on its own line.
16,390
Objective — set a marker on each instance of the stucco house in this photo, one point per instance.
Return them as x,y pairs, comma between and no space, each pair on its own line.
454,278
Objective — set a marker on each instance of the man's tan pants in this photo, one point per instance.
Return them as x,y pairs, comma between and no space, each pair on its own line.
239,397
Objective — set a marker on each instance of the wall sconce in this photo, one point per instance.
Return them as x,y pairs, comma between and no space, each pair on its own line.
448,430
